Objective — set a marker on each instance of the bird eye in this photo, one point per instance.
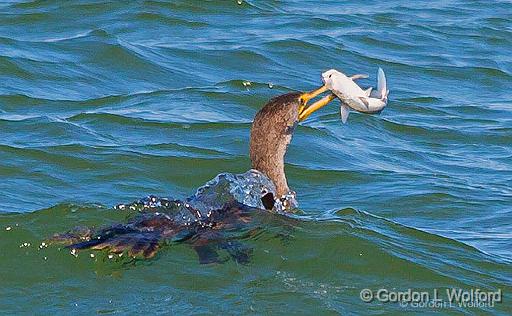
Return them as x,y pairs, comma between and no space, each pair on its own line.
330,75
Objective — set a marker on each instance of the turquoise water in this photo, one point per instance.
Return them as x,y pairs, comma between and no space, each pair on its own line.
104,103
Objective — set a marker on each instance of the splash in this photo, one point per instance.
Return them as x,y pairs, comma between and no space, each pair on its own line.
252,189
247,188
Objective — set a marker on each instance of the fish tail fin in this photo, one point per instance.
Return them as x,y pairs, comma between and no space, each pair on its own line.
382,86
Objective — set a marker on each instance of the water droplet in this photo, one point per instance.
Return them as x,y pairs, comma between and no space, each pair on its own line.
239,2
270,85
8,228
91,255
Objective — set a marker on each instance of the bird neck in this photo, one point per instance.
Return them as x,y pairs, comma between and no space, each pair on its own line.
273,167
271,133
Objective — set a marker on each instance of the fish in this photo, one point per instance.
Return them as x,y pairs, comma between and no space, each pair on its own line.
352,96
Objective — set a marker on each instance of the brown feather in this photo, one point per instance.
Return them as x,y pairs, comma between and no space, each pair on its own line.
270,136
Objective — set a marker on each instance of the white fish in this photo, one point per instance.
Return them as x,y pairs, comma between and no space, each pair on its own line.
352,96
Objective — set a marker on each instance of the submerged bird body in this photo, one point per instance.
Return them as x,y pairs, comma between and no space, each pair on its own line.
227,201
158,220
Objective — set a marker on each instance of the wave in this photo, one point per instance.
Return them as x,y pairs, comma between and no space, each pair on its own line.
341,236
162,18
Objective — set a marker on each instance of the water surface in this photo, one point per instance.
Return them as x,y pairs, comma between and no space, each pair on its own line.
104,103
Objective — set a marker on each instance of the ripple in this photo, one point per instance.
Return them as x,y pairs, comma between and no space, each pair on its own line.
134,121
208,7
97,33
160,18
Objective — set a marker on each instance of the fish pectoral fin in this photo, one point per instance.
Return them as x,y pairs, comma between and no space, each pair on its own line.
358,76
365,101
368,91
344,111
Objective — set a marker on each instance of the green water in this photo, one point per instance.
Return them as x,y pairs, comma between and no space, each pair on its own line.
107,102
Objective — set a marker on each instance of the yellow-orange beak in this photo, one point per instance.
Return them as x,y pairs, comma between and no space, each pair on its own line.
305,112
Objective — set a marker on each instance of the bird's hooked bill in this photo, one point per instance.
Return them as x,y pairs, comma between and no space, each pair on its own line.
305,112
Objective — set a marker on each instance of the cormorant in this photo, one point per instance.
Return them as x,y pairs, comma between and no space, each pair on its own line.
225,202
